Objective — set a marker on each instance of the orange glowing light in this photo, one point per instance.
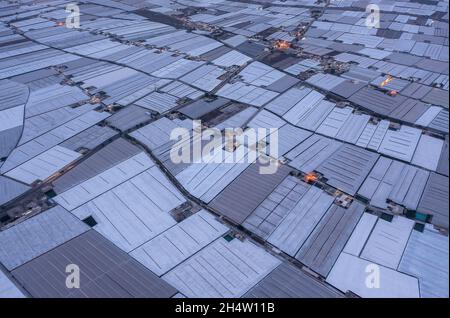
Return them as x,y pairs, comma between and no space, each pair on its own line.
310,177
60,23
393,93
282,45
388,79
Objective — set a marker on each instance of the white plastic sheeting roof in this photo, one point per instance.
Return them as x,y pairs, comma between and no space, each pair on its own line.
44,165
178,243
8,289
223,269
387,241
426,257
350,273
104,181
